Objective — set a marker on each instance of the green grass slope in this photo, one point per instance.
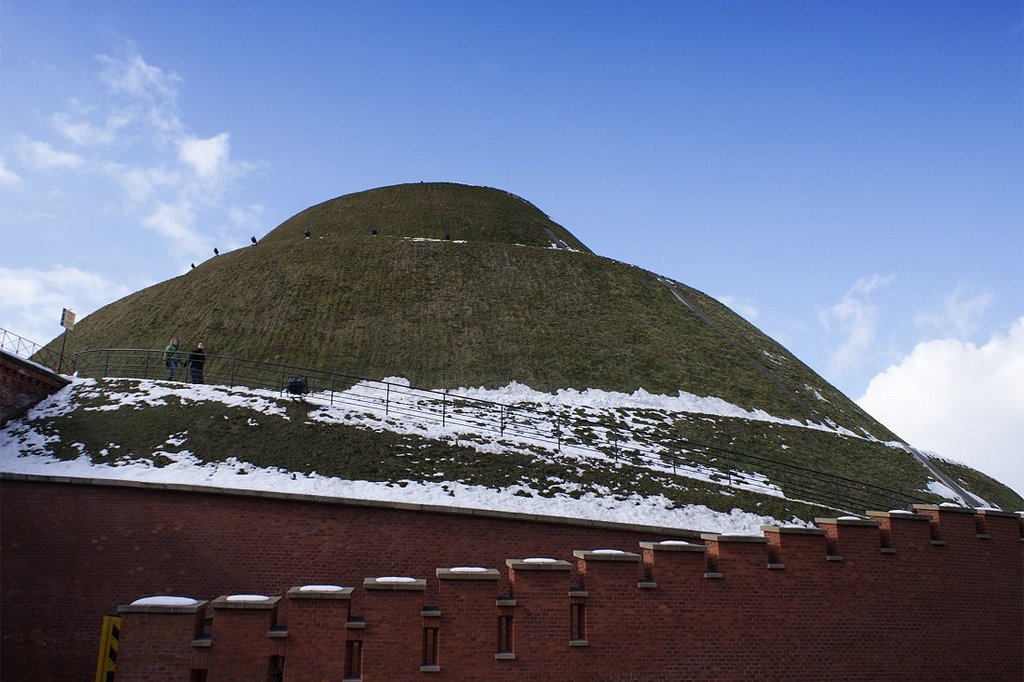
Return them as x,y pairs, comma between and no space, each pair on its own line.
447,314
432,211
472,286
493,304
119,422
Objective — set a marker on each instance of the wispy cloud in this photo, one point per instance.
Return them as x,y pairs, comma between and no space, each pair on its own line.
8,178
40,155
121,150
165,177
207,158
174,220
959,314
745,307
141,96
857,320
31,300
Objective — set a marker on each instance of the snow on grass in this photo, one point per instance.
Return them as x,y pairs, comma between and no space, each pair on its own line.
185,469
142,393
25,450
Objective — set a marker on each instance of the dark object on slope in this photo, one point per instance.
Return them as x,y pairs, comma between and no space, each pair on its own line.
297,385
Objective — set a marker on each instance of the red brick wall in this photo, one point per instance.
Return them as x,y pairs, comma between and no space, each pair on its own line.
23,384
70,554
922,597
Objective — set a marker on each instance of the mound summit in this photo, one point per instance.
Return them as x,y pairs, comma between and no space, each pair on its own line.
451,285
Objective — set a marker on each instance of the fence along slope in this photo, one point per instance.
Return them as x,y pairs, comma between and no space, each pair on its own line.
551,428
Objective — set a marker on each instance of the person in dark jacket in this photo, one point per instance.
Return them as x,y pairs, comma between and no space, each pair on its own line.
196,359
171,359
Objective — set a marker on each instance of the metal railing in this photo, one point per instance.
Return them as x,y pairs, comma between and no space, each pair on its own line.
29,350
569,434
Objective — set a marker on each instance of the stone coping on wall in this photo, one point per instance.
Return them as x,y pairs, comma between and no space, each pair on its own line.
468,573
674,546
847,521
944,508
997,513
255,602
793,530
605,555
144,607
725,537
320,592
352,502
898,515
538,564
395,583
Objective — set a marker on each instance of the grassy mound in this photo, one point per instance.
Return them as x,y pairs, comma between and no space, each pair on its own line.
451,286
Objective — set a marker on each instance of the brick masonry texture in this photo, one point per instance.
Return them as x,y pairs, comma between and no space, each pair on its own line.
932,596
23,384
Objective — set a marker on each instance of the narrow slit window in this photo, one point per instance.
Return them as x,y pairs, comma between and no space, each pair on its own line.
354,659
579,621
504,634
430,646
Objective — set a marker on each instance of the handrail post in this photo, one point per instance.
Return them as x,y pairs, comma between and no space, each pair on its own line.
145,366
387,398
444,406
232,382
501,418
106,364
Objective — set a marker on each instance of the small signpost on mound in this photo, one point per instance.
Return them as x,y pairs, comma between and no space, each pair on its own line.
67,320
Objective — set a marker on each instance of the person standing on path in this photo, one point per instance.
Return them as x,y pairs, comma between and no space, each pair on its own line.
171,359
196,359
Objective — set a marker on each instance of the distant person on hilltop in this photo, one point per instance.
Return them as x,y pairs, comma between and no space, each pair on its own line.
196,359
171,359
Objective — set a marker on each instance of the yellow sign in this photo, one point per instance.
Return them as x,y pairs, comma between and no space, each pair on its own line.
107,663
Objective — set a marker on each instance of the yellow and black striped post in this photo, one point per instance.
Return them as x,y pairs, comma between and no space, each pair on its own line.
107,664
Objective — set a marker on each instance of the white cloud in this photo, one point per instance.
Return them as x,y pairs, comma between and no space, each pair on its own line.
156,173
206,157
42,156
744,307
148,95
72,126
31,300
246,216
175,221
142,184
962,401
958,316
8,178
858,320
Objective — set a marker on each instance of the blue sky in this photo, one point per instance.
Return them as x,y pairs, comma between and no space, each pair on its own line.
847,175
